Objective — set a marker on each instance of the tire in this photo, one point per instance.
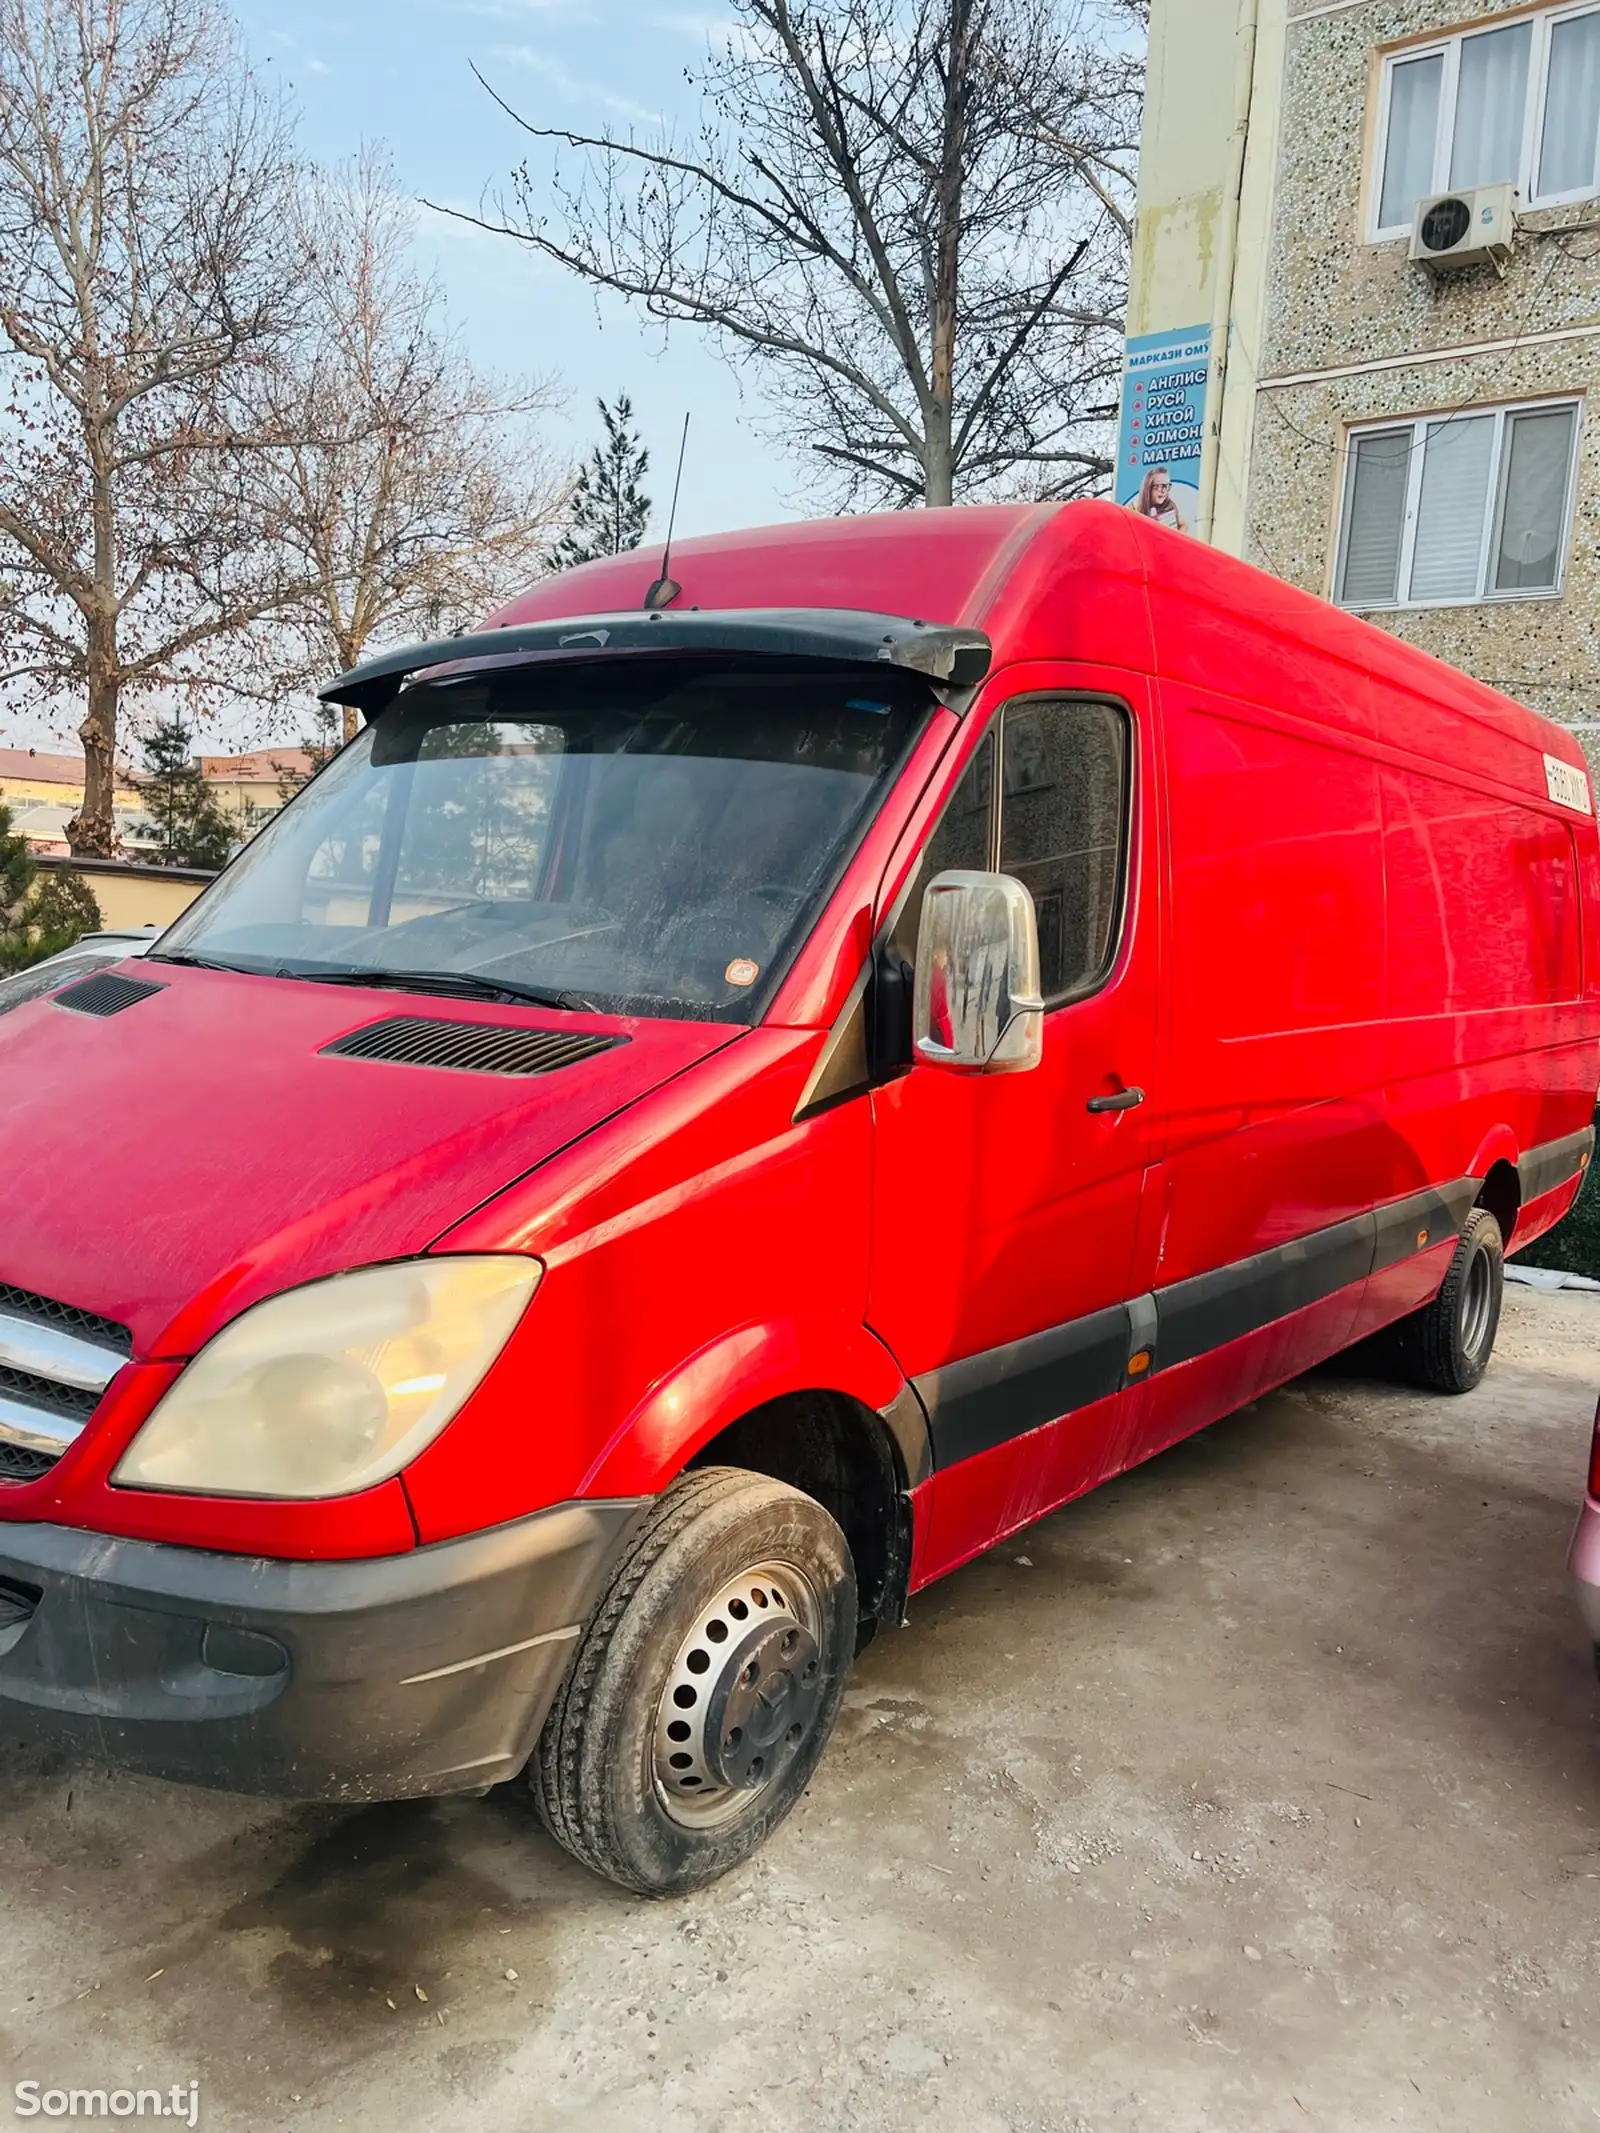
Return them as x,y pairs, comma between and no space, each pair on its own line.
1446,1345
660,1765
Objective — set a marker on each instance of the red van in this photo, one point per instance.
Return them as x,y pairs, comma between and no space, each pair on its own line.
700,1120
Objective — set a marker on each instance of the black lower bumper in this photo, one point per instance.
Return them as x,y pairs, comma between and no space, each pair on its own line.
390,1679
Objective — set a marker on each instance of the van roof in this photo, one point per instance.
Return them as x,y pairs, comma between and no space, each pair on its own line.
1104,583
937,566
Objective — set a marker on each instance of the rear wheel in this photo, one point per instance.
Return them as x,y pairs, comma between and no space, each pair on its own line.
702,1694
1448,1343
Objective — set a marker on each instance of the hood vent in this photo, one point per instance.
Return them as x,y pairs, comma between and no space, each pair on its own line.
106,994
470,1047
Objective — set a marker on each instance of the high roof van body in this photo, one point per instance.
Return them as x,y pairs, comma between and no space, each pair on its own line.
700,1120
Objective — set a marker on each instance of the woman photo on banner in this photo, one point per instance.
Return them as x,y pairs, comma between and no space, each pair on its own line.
1156,499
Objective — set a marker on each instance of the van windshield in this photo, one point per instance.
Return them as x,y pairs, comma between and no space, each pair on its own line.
643,837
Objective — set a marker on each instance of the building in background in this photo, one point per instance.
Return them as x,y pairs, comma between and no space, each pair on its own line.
43,793
1406,435
254,786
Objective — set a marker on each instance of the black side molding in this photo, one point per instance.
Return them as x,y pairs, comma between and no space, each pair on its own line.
1541,1170
1407,1226
1209,1310
1004,1392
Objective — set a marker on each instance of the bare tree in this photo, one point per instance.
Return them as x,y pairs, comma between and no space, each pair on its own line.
412,492
146,262
915,213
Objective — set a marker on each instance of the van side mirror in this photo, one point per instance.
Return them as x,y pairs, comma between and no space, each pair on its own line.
977,1005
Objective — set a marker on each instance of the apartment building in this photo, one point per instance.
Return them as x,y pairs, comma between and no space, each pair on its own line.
1409,435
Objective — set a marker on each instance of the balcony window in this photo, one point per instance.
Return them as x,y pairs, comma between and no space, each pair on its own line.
1518,104
1455,508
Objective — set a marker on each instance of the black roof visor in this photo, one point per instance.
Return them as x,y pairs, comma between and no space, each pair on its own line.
953,658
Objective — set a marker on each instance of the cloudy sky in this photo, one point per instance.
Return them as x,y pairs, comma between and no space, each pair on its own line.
399,71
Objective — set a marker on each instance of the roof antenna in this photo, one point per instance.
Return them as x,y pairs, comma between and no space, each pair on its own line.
665,590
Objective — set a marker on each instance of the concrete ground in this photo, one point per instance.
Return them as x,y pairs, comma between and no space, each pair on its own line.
1260,1790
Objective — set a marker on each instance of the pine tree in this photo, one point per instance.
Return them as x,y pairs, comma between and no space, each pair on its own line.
40,914
191,829
17,876
320,746
609,508
61,910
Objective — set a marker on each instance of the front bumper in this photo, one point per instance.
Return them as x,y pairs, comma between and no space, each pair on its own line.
396,1678
1584,1563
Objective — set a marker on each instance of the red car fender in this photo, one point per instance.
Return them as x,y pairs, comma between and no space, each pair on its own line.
1499,1145
738,1371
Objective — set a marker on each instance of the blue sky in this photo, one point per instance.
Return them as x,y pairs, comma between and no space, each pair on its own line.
399,71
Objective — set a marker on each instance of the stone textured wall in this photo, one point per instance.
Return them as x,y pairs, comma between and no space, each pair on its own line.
1334,299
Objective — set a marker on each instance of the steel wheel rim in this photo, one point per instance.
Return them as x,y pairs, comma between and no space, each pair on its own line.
786,1597
1476,1306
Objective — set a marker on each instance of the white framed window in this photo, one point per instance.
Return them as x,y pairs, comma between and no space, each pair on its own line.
1443,510
1517,101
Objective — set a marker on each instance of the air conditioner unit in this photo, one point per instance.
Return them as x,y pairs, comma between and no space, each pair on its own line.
1470,228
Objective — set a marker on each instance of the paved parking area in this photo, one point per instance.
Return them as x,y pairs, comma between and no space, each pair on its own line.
1260,1790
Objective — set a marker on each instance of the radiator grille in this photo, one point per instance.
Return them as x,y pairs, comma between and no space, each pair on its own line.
469,1047
19,1465
105,994
74,1403
57,1360
66,1318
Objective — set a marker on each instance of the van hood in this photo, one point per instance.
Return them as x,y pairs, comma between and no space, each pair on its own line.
169,1163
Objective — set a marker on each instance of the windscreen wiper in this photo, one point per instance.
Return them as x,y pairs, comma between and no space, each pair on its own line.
462,984
207,962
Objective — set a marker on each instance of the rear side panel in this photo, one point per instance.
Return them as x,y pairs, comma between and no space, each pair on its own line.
1277,1056
1491,1044
1380,978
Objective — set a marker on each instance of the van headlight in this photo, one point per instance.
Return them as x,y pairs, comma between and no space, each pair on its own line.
329,1389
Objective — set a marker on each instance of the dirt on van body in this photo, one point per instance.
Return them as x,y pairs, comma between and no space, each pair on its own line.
1259,1790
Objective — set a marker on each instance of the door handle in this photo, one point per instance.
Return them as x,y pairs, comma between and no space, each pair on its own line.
1124,1100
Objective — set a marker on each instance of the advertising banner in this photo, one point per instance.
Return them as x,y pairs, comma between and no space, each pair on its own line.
1164,380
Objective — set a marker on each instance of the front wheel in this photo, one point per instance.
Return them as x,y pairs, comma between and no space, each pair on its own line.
703,1692
1447,1344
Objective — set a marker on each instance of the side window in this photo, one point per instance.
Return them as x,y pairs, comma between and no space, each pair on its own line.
963,838
1063,824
